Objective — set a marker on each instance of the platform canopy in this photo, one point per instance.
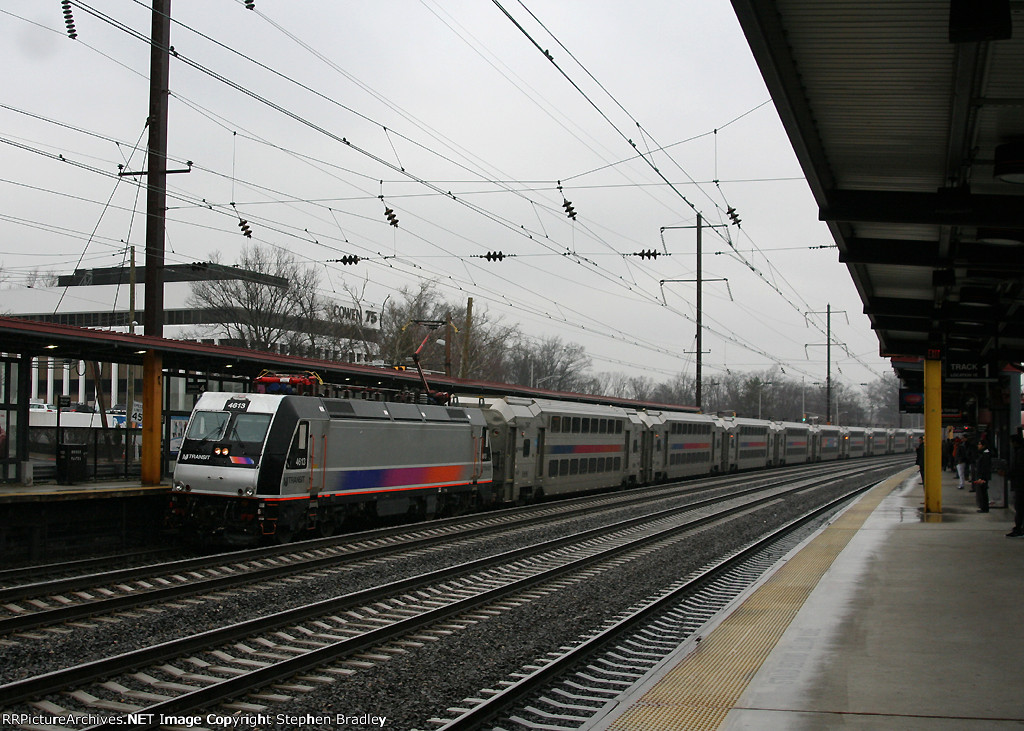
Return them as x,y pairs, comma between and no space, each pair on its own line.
908,120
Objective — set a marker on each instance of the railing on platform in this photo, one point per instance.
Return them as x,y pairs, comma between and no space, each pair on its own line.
85,454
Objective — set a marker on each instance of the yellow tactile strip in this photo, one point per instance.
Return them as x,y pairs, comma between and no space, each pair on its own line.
703,688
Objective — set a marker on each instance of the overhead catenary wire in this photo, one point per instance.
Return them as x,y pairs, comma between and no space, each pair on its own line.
603,115
410,258
520,309
294,116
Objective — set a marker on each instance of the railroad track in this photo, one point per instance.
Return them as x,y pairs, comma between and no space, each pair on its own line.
571,689
28,606
267,659
34,573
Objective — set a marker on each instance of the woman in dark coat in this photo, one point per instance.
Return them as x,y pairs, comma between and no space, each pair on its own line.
983,473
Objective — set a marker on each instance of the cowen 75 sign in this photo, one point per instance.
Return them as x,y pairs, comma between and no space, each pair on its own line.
970,371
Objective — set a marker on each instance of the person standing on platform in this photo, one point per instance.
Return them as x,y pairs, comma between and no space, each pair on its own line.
920,456
963,461
1016,475
982,475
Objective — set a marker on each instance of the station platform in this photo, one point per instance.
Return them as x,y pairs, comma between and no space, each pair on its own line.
48,492
53,522
885,619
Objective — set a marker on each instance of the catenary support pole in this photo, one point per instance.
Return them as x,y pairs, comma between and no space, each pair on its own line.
156,211
932,436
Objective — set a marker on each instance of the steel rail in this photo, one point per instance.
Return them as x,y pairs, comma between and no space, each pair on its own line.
58,680
446,527
236,577
508,698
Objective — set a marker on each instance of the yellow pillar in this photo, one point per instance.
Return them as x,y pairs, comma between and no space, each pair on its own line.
933,436
152,418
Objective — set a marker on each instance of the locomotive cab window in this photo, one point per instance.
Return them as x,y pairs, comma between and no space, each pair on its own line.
250,428
298,454
208,425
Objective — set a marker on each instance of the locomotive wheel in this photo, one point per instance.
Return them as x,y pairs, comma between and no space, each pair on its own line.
326,527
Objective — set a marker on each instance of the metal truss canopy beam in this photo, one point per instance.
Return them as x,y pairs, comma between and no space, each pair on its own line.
945,208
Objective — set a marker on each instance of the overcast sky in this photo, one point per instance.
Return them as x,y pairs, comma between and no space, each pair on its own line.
303,114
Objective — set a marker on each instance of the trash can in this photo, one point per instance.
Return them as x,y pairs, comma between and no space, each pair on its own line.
71,464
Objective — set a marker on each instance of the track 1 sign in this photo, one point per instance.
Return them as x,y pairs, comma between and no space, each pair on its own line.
969,370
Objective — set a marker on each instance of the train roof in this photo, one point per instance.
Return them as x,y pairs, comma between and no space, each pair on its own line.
315,406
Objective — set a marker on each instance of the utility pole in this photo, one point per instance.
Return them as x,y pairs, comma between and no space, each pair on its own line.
156,212
448,346
700,298
700,312
464,365
130,400
156,174
156,219
828,358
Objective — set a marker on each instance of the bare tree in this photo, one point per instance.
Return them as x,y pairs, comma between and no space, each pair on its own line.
642,388
550,364
489,341
680,390
255,309
486,342
883,396
400,331
38,278
613,384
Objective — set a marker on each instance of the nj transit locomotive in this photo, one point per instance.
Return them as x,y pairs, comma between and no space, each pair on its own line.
261,466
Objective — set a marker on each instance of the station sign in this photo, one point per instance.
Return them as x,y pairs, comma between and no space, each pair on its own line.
975,371
911,402
952,415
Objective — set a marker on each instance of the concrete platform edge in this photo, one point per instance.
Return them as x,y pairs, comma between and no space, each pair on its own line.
637,711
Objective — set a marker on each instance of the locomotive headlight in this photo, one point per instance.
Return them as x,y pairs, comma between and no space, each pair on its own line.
250,491
221,451
179,487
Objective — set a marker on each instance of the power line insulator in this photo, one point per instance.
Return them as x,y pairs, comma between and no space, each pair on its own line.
648,254
69,19
389,213
494,256
250,4
244,225
569,211
732,214
349,259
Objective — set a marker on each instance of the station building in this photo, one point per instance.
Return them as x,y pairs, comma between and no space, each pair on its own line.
103,393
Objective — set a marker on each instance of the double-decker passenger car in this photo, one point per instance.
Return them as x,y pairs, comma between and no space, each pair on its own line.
795,442
553,448
854,441
679,444
827,443
751,442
